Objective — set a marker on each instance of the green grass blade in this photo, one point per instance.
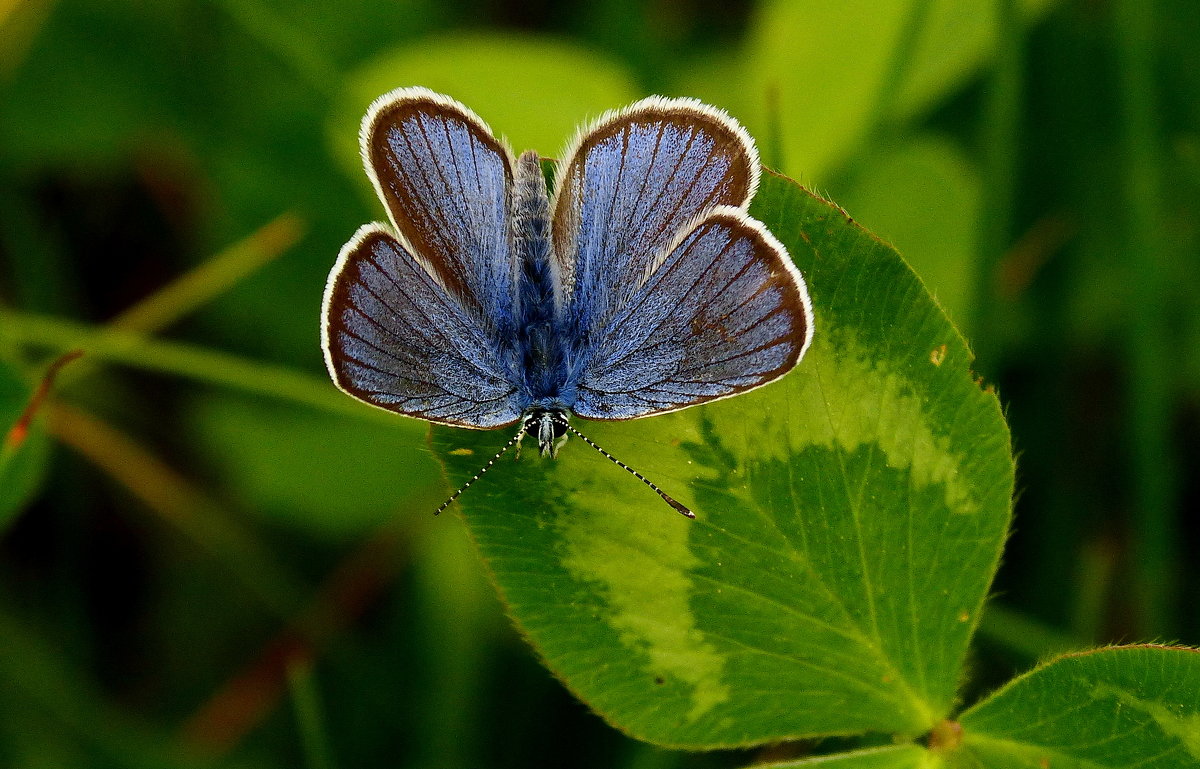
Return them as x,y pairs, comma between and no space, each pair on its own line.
179,359
1151,359
306,705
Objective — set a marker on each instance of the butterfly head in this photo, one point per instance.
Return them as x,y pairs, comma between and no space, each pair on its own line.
549,427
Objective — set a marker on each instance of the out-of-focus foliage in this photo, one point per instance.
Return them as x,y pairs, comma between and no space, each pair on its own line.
23,453
224,563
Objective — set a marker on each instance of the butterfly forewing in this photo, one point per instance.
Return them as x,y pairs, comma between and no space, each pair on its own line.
396,338
446,181
725,312
627,187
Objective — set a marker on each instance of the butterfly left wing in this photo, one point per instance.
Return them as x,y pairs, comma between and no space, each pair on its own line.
398,339
724,312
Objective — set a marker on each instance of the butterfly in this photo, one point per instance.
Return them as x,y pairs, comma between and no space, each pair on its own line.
641,286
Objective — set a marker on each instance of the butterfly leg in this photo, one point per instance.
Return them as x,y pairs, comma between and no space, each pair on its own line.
518,438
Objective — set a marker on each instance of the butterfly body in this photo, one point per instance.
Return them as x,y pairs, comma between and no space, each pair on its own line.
639,285
542,334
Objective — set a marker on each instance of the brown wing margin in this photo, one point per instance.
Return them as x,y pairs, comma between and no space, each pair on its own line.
446,182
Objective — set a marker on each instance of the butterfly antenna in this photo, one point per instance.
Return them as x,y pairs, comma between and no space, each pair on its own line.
678,506
513,442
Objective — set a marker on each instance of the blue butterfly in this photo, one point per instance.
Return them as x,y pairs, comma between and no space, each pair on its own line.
640,287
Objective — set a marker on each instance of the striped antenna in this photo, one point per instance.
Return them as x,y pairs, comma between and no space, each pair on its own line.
679,507
513,442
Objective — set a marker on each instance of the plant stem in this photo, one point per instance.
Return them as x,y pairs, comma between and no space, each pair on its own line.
1000,141
202,284
882,119
260,22
179,504
309,718
881,127
1151,472
35,673
209,366
212,277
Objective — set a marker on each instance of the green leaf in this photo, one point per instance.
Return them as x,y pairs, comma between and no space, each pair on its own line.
889,757
22,466
850,518
1118,707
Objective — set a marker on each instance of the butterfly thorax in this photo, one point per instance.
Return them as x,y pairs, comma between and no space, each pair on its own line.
540,347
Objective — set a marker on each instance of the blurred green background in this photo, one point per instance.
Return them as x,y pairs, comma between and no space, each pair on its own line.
208,556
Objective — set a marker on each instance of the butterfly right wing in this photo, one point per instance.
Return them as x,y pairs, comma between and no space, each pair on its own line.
396,338
675,295
628,184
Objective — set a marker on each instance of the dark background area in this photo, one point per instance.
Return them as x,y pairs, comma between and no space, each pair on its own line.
219,559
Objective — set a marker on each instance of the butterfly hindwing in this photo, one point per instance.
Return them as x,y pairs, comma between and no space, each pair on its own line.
726,311
395,338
